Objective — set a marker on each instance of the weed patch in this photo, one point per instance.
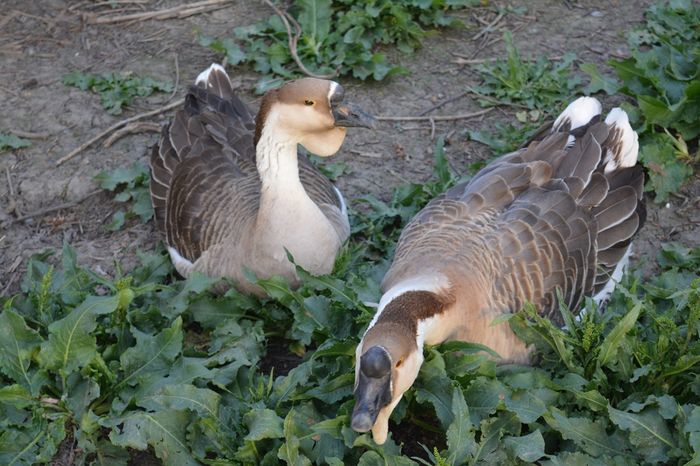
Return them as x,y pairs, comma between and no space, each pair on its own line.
336,36
116,90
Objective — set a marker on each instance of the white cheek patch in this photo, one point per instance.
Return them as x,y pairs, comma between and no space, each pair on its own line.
333,87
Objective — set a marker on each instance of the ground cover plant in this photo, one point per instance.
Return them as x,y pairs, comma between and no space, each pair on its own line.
147,364
663,76
10,142
349,47
151,362
116,90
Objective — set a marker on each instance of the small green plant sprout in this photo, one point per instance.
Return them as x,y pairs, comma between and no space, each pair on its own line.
129,184
116,90
12,142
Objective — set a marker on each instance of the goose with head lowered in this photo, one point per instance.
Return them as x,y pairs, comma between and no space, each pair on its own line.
559,214
231,192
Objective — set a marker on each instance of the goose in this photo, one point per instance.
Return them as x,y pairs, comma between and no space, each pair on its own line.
232,194
559,214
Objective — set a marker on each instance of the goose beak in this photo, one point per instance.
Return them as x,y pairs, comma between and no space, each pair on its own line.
373,390
371,395
350,115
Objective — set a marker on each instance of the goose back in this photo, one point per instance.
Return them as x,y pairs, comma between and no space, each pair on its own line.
557,214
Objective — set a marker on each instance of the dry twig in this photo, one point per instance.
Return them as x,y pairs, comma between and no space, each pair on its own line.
48,210
459,116
29,135
132,128
181,11
115,127
293,39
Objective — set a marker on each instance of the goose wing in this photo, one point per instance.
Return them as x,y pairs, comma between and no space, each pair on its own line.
559,214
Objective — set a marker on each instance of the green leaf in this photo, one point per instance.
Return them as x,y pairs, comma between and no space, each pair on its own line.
483,396
263,424
71,344
587,434
289,451
151,354
18,343
613,340
10,141
202,401
528,448
460,434
667,174
525,405
164,431
648,432
599,82
16,395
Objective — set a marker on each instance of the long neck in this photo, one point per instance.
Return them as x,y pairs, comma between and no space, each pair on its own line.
276,159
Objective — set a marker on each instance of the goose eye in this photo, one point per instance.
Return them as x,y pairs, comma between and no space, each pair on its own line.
398,364
308,102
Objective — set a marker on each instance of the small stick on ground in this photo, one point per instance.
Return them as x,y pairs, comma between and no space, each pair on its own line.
9,181
293,39
444,102
371,155
177,79
48,210
181,11
132,128
115,127
29,135
460,116
489,27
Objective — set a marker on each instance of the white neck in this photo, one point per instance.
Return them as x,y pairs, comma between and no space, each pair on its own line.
434,283
276,158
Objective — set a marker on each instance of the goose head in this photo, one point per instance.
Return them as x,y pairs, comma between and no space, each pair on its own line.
388,362
310,112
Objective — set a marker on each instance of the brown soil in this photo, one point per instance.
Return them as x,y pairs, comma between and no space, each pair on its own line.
41,40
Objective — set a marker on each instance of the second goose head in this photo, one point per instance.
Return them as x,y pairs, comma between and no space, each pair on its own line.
310,112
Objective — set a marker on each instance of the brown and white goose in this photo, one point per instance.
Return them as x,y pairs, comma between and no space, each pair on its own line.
559,214
231,192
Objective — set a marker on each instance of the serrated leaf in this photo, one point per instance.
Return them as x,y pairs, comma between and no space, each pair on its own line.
263,424
164,431
433,386
483,396
289,451
587,434
525,405
202,401
151,354
648,432
71,344
614,339
528,448
17,344
16,395
599,82
460,434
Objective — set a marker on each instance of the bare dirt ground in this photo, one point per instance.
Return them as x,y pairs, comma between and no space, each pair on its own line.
41,40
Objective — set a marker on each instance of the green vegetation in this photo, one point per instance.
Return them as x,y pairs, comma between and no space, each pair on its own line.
10,141
116,90
663,76
147,361
538,89
130,184
335,36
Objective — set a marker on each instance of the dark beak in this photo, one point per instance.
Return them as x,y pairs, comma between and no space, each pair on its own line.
348,115
373,390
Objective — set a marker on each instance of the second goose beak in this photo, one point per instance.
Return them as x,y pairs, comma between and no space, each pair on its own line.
350,115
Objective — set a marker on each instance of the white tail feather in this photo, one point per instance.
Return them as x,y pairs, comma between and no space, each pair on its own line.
628,146
578,113
203,77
